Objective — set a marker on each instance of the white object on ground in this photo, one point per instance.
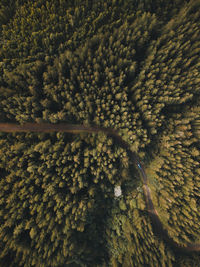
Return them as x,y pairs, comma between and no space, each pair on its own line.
117,191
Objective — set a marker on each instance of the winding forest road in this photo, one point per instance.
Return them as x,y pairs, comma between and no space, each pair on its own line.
76,129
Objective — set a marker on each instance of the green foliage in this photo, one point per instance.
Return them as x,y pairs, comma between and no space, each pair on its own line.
129,65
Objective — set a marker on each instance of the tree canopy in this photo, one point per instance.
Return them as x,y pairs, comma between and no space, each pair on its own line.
128,65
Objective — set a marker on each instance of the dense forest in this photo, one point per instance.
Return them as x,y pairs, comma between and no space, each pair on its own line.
131,65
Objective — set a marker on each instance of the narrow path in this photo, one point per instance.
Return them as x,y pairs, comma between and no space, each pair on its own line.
76,129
